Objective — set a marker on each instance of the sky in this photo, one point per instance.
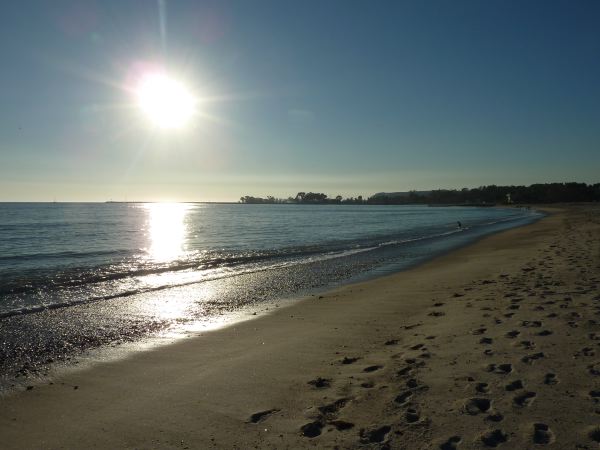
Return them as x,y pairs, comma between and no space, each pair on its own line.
342,97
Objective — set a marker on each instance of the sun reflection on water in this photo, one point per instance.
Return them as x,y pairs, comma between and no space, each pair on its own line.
166,229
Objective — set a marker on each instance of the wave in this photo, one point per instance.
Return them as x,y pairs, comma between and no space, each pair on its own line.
140,265
64,255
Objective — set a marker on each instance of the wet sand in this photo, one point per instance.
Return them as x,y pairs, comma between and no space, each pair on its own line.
493,345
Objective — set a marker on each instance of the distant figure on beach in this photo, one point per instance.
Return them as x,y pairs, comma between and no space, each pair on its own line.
459,224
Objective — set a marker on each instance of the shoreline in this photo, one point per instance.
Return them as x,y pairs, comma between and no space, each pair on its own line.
252,377
68,332
110,353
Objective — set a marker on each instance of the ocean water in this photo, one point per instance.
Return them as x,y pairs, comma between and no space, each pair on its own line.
75,277
56,255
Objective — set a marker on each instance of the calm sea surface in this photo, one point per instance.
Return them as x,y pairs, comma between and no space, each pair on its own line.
63,254
91,274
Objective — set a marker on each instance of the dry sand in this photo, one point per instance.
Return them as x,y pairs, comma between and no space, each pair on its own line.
496,344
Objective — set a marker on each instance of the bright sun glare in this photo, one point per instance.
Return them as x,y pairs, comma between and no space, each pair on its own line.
166,229
165,101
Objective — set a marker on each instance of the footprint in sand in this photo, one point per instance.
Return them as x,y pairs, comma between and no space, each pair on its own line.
312,429
414,362
405,371
479,331
375,435
342,425
594,434
512,334
262,415
477,405
542,434
527,345
333,408
594,337
412,383
486,341
594,369
595,395
501,369
348,360
531,323
451,443
585,351
320,383
372,368
529,359
412,415
515,385
550,379
403,397
494,438
482,388
496,417
524,399
328,412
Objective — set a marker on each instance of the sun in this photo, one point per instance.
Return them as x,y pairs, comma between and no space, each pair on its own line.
165,101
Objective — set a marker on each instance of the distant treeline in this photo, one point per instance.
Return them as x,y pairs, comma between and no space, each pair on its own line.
536,193
305,197
485,195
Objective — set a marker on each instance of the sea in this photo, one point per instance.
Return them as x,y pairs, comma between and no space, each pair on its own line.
78,276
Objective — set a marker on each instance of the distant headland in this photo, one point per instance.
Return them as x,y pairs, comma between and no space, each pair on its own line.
481,196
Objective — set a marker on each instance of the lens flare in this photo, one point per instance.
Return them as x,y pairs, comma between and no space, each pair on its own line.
166,102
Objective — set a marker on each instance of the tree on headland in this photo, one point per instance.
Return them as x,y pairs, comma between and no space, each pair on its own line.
313,197
258,200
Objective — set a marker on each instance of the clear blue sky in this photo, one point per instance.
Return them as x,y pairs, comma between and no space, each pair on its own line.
343,97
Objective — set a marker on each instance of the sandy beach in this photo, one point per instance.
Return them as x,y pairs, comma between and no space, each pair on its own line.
493,345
